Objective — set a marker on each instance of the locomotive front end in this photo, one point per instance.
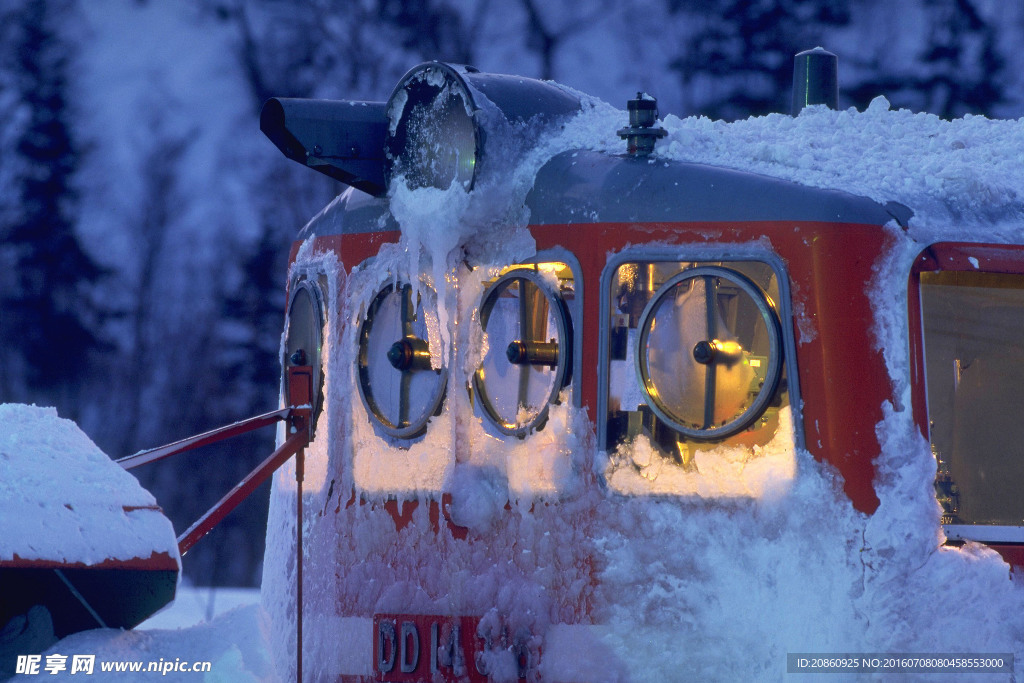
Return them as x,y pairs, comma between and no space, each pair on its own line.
575,396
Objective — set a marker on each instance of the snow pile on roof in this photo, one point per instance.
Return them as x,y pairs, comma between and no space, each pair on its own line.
63,500
943,170
947,171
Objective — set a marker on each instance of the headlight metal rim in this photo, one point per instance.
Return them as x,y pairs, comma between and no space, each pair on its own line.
773,374
417,427
559,309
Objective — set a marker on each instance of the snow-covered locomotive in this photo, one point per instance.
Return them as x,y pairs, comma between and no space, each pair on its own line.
668,411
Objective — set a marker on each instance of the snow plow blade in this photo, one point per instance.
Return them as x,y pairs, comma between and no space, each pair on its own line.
82,544
114,594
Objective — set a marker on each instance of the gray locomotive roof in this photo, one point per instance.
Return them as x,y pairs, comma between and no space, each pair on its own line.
351,212
582,186
591,187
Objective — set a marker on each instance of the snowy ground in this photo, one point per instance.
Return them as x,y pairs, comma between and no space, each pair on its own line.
234,643
196,605
225,627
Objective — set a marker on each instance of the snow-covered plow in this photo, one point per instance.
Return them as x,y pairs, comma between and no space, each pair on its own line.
82,545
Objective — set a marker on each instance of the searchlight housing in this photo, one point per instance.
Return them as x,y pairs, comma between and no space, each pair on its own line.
442,124
450,123
339,138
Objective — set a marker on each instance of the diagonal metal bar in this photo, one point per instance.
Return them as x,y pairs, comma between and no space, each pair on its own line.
81,598
710,377
295,443
214,435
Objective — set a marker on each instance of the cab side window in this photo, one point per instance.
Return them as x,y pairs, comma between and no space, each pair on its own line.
973,330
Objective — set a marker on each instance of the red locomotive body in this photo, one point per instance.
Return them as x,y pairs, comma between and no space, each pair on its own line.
542,415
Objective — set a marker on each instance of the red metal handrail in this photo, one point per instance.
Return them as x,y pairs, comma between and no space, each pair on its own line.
298,419
202,526
204,439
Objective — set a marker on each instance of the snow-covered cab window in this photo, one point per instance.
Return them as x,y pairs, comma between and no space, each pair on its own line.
695,356
527,356
303,343
973,325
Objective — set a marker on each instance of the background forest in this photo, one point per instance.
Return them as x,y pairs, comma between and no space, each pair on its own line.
145,222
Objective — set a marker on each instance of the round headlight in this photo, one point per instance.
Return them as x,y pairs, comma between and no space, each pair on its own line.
303,340
528,357
432,139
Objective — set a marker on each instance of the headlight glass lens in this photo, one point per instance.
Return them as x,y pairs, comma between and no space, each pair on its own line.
433,141
528,351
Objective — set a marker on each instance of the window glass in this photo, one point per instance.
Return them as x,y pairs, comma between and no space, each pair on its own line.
695,355
974,356
528,346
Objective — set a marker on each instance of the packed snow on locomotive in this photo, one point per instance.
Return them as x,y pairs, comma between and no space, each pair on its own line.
603,398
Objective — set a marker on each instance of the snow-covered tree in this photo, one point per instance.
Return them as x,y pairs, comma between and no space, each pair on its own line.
47,316
737,57
947,57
